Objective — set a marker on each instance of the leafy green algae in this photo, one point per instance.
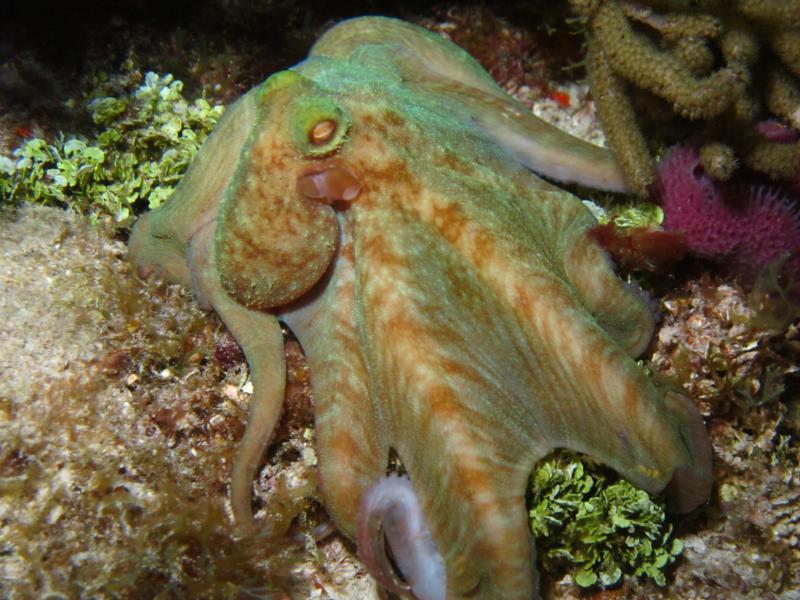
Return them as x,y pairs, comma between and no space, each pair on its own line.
146,135
597,527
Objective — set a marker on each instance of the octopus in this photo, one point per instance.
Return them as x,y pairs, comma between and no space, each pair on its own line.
379,199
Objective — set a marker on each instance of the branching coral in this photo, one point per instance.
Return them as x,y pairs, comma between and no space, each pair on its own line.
147,134
672,55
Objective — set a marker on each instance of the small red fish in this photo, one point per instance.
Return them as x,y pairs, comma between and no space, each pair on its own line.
562,98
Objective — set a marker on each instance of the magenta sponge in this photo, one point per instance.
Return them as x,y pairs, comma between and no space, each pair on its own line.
746,225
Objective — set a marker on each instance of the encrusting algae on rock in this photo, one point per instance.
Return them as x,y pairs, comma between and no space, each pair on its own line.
118,424
742,366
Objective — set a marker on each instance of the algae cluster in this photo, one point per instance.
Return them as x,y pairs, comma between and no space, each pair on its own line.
146,134
597,525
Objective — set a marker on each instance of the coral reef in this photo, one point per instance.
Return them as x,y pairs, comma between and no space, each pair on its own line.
645,59
121,405
749,226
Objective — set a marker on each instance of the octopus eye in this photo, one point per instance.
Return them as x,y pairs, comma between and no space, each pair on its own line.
394,541
319,125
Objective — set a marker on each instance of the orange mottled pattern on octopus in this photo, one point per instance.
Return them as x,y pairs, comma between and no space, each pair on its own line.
341,395
421,402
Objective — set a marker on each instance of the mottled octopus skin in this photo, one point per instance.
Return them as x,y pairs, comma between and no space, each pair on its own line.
377,199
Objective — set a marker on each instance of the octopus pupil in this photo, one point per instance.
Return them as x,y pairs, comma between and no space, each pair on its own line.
322,131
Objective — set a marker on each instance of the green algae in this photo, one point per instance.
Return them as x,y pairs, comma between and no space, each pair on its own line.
145,135
598,527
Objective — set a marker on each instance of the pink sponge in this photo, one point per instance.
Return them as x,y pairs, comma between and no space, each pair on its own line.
749,225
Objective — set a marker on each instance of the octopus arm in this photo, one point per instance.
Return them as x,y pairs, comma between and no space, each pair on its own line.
453,411
690,484
617,307
391,514
260,337
351,437
548,150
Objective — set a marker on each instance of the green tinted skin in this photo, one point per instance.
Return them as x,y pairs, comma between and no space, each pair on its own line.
378,199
